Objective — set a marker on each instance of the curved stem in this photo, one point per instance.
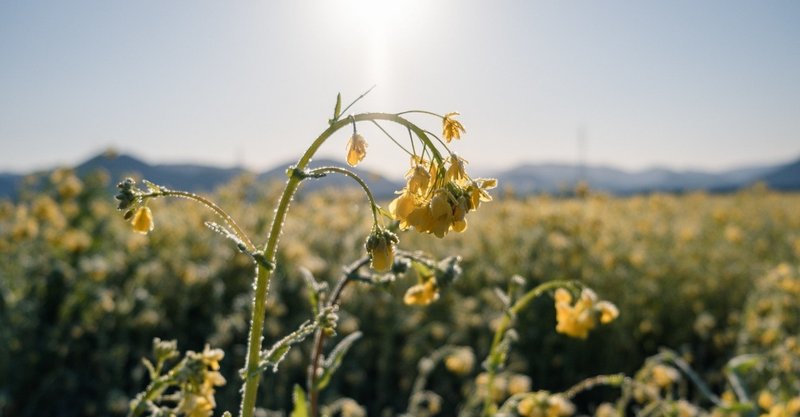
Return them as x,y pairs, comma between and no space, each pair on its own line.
252,377
521,303
421,112
351,174
319,336
215,208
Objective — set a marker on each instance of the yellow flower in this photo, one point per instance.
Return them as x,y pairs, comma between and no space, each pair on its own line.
477,191
519,384
664,376
143,220
451,128
418,179
608,311
441,214
422,294
765,400
457,170
380,245
401,207
526,407
575,320
356,149
460,362
558,406
197,405
211,357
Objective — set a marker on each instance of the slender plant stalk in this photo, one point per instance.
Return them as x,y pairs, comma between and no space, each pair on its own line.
263,275
319,336
356,178
488,403
216,209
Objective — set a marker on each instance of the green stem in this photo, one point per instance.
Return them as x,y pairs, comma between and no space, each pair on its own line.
215,208
488,403
252,377
351,174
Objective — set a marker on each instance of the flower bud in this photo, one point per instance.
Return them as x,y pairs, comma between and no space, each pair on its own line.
381,245
356,149
143,220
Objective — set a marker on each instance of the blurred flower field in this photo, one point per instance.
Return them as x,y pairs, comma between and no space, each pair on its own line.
710,277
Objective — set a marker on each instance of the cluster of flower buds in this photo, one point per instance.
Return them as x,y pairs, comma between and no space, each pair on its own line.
130,200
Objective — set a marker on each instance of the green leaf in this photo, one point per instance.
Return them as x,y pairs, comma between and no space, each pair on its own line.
300,406
316,289
337,111
272,358
334,360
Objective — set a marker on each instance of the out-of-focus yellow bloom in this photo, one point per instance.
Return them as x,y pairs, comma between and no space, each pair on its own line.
793,405
460,362
664,375
422,294
451,128
608,311
558,406
356,149
576,320
526,407
765,400
197,405
542,404
518,384
606,410
686,409
211,357
351,408
143,220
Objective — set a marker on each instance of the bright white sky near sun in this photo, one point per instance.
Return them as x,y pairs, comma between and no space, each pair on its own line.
684,84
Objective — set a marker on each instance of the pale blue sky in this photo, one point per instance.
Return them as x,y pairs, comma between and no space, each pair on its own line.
685,84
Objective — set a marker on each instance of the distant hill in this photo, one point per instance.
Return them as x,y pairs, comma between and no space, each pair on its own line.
555,178
524,179
786,177
202,178
197,178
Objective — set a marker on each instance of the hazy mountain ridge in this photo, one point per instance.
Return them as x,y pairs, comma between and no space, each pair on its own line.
523,179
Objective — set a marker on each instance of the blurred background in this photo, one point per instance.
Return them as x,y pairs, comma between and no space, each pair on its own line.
647,149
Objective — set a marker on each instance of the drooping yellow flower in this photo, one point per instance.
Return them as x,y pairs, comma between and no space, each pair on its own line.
381,246
477,191
422,294
356,149
418,179
576,320
401,207
143,220
441,214
451,128
456,172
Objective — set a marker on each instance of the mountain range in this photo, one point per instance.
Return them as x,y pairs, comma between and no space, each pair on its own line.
523,179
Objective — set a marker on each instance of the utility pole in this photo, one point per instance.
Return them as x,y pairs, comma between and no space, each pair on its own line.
582,154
